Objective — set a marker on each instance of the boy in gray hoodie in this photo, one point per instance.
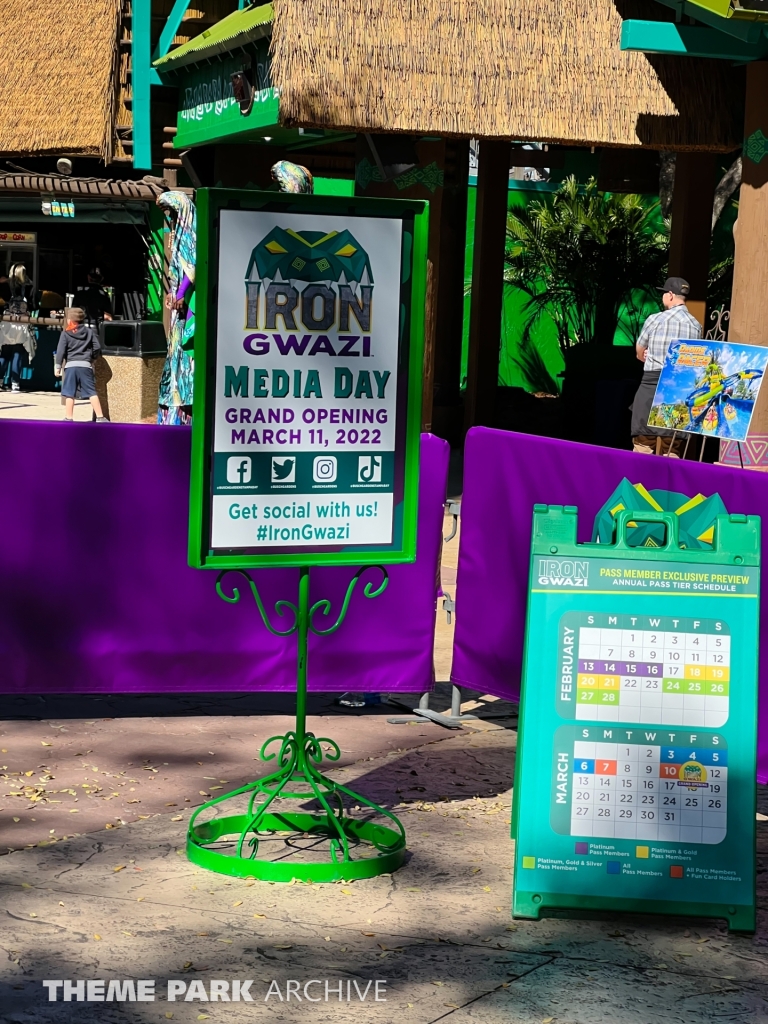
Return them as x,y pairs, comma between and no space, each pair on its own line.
76,353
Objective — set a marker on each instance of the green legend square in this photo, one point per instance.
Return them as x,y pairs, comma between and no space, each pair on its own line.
529,862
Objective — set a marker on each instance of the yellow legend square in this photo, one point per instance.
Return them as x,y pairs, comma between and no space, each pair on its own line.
642,851
529,862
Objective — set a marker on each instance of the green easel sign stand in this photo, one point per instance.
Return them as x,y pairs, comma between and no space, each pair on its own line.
308,375
635,779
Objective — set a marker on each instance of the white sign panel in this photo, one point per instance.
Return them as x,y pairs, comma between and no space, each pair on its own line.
306,380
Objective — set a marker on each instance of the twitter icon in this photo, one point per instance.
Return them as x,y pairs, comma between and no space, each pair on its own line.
283,471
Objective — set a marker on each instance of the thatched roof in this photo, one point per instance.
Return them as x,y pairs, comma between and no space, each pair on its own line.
519,69
57,76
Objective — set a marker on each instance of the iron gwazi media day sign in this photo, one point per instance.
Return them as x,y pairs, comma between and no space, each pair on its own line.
310,407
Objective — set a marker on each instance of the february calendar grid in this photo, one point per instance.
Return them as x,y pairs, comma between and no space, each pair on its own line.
659,670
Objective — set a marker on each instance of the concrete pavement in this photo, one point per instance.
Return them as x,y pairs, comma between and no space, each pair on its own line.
125,903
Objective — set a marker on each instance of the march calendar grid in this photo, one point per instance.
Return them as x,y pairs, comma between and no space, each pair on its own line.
644,784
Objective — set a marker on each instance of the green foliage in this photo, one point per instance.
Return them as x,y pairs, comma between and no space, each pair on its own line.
533,368
583,256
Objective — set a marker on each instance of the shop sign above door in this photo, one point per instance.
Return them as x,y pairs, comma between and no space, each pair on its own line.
209,109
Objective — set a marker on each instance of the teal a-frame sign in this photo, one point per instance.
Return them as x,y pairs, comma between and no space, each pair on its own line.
309,350
635,779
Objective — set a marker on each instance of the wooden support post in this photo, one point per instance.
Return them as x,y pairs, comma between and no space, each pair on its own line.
749,299
447,412
749,302
692,200
487,283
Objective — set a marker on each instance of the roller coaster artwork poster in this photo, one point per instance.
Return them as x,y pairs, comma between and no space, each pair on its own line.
709,387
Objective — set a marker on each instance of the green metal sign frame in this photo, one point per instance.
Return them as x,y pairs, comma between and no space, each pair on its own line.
635,776
402,311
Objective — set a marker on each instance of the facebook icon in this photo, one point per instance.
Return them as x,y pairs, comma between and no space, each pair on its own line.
238,469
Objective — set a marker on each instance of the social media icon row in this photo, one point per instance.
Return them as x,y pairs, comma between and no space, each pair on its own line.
283,471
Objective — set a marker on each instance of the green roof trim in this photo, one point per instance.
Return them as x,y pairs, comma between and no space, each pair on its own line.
723,15
235,30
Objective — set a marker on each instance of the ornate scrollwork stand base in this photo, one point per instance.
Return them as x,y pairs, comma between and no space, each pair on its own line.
230,844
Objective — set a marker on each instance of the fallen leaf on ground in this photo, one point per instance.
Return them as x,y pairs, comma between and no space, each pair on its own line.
43,743
370,935
486,888
17,819
120,867
177,817
237,903
259,915
283,947
438,983
454,1006
347,892
169,1015
97,937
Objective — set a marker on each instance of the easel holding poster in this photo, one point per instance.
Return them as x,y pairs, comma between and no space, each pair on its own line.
305,443
709,388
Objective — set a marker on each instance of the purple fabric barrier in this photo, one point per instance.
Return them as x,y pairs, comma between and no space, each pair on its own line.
505,475
96,595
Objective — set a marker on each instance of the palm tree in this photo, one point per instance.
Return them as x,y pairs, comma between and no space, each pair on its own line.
581,258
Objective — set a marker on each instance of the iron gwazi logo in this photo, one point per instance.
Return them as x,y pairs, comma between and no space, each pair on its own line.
555,572
321,280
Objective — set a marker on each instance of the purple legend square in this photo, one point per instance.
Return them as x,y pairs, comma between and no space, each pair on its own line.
582,847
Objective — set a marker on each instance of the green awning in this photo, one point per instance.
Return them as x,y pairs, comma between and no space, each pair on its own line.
731,9
236,30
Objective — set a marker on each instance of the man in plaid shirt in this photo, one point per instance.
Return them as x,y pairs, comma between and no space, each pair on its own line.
674,323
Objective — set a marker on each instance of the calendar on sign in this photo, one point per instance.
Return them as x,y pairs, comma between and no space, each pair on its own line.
653,669
640,784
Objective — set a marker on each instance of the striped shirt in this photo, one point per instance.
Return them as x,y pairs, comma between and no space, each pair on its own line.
661,329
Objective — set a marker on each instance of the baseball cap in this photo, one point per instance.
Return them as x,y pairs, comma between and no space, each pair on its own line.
676,285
